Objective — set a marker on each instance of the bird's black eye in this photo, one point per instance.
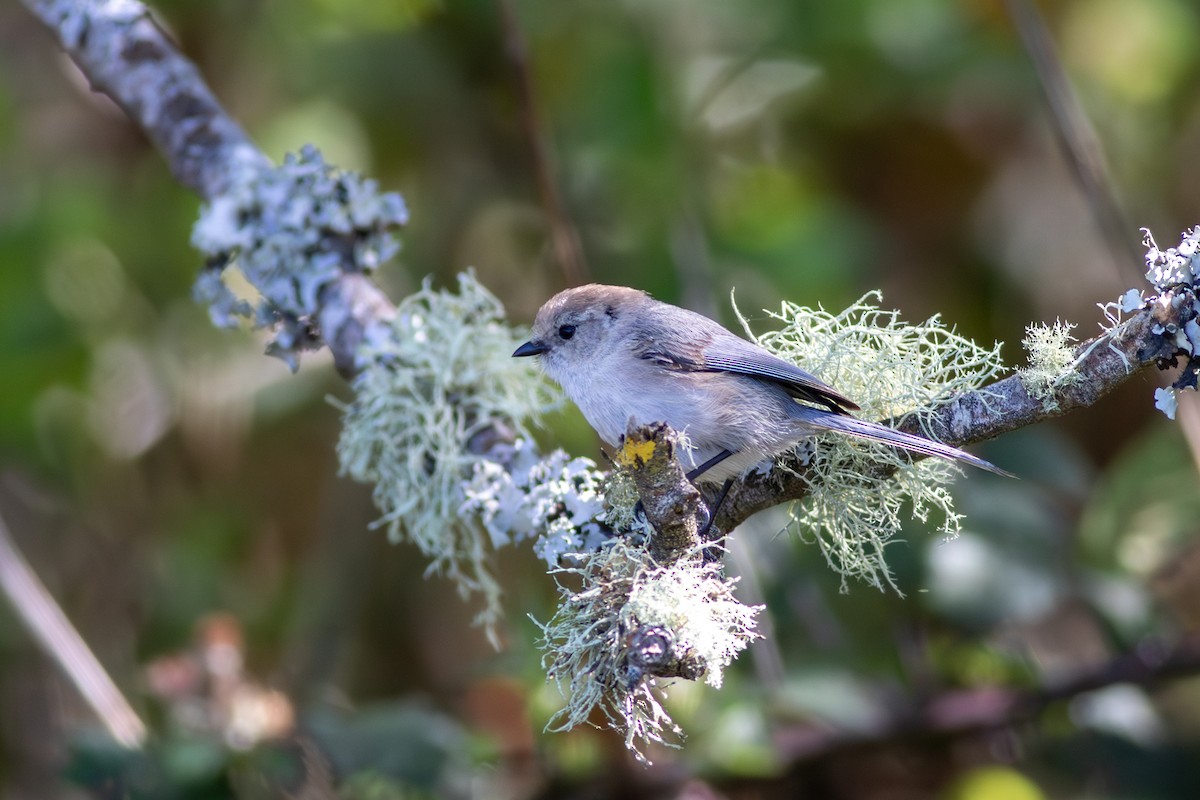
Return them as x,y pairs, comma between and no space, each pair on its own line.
566,331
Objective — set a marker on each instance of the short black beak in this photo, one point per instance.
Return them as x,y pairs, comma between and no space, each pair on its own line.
530,349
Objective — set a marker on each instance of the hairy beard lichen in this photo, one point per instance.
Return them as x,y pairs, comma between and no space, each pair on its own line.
587,642
1051,351
892,369
427,401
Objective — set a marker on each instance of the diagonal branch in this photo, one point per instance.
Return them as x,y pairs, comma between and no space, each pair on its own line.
961,713
45,620
1076,135
127,56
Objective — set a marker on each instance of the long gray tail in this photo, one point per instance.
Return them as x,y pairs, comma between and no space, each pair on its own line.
843,423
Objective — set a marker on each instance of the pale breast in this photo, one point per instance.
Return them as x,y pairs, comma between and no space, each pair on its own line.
715,411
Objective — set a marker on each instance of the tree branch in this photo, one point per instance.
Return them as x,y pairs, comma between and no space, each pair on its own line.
1102,364
672,504
129,57
964,712
126,55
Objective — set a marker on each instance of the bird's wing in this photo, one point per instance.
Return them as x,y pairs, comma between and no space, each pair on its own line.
732,354
721,351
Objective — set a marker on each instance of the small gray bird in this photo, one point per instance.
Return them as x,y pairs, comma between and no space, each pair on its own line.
621,355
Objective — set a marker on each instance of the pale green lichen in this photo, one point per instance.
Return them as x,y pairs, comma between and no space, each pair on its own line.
621,499
1052,357
424,401
624,590
892,370
695,602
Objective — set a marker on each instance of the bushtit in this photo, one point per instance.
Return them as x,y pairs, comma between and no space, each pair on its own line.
621,355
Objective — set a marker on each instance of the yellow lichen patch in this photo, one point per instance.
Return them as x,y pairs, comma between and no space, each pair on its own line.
634,454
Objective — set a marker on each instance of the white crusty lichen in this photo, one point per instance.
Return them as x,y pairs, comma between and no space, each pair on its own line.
1166,401
1051,351
1174,273
590,643
433,403
564,504
1175,265
892,369
292,229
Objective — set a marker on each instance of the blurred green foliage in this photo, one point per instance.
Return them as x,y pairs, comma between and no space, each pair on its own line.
157,471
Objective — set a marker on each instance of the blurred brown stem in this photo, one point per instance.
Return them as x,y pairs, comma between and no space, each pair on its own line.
1189,423
1076,135
44,618
567,249
963,712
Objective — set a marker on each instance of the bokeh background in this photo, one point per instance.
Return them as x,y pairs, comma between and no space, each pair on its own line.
178,493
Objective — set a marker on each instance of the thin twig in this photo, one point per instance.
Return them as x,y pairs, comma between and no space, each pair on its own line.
49,625
958,713
563,234
1076,135
1189,422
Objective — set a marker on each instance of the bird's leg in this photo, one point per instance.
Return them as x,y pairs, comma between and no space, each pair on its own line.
700,470
716,506
707,465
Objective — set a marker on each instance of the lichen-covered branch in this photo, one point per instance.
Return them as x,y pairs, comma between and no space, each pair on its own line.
853,495
1101,364
304,234
439,422
442,383
632,624
672,505
126,55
